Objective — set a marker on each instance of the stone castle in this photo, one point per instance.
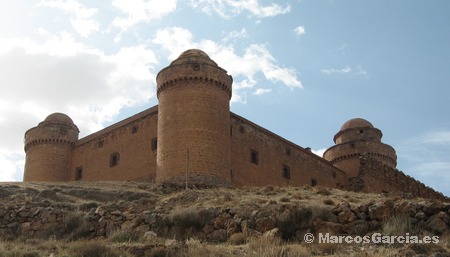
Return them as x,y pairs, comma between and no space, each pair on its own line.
191,137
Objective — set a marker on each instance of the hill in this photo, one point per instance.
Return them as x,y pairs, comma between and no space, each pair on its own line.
143,219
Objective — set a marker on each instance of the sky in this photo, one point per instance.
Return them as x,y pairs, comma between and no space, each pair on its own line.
300,68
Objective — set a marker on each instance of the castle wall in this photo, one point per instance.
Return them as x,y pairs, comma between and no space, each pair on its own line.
375,177
260,158
123,151
48,161
195,118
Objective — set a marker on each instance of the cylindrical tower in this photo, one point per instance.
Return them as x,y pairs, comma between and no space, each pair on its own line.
359,137
193,121
48,149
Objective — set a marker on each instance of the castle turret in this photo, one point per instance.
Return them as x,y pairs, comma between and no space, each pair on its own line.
48,149
193,121
359,137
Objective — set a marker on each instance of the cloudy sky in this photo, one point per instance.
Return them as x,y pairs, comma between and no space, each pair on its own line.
301,68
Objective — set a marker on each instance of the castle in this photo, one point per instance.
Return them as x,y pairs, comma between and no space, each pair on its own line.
191,137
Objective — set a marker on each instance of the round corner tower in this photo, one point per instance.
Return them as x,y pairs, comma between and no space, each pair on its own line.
193,121
48,149
359,137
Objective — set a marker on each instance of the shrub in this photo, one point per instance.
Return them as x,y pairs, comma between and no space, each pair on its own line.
124,236
158,252
87,206
322,191
188,218
292,220
73,228
398,224
237,239
328,202
93,249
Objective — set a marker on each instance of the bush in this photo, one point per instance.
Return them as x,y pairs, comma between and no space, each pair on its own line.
124,236
237,239
189,218
93,249
87,206
398,224
74,228
328,202
294,219
323,191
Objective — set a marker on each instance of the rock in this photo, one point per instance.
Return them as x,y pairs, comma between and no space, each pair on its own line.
100,211
346,216
237,239
444,216
207,229
420,216
150,235
129,224
264,224
218,236
233,227
381,211
220,222
170,242
323,227
433,207
273,233
405,207
436,225
356,228
50,194
421,250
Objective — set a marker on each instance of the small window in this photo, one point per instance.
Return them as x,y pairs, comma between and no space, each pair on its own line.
134,129
79,173
288,152
286,172
254,158
114,159
361,131
100,143
154,143
334,174
313,182
241,129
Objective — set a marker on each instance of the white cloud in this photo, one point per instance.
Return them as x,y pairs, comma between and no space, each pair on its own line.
229,8
346,70
11,165
331,71
436,137
141,11
262,91
62,75
236,35
300,30
255,61
427,155
319,152
81,17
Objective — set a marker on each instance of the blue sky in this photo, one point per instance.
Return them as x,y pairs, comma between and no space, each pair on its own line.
300,68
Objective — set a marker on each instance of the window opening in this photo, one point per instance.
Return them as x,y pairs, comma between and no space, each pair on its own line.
79,173
114,159
286,172
254,158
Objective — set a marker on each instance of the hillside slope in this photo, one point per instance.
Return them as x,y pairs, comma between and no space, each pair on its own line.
142,219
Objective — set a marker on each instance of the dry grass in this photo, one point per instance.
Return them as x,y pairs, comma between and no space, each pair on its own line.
186,211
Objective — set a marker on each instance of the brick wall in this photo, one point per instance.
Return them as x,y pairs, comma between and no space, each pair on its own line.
375,177
129,140
275,156
193,117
